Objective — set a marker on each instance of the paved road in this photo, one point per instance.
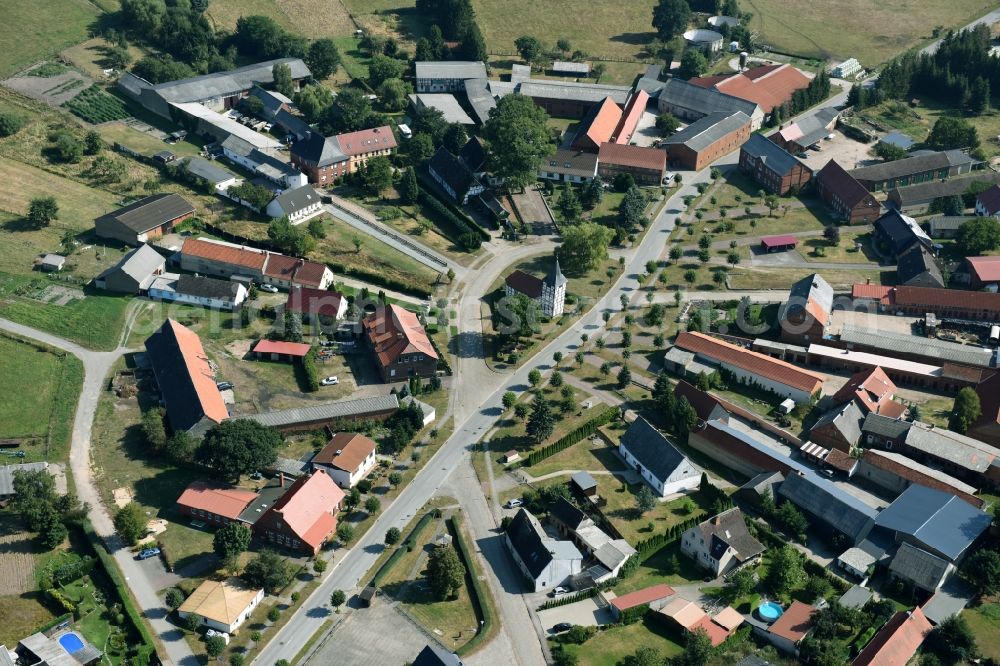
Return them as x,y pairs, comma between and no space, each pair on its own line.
481,400
988,19
96,366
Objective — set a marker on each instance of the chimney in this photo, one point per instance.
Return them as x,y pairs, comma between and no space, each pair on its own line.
717,520
868,280
281,479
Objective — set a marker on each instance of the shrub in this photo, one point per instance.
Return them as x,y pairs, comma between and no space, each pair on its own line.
310,371
255,636
274,615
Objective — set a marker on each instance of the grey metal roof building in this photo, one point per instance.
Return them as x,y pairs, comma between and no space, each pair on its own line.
149,212
327,411
966,452
923,569
809,293
449,69
694,101
885,427
446,103
704,132
318,150
651,448
529,541
571,68
917,197
825,501
435,655
933,160
477,91
934,520
208,171
916,267
930,348
774,156
7,475
134,272
295,200
580,92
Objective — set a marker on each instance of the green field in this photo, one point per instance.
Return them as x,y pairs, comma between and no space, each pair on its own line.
311,18
917,122
868,30
33,30
46,409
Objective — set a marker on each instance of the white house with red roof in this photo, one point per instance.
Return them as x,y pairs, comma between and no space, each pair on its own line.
348,457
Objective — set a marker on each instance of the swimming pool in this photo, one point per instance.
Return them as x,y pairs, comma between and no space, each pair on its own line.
71,642
769,611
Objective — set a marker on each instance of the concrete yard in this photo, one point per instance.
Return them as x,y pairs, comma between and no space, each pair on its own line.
585,613
370,637
849,153
878,322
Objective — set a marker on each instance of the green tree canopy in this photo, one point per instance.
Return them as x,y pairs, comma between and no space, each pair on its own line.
445,573
542,421
392,94
283,81
982,571
979,236
230,540
323,58
693,63
952,132
408,187
952,641
529,47
42,211
239,446
671,18
34,495
517,137
269,571
382,68
966,411
584,247
785,572
568,205
377,175
350,111
130,522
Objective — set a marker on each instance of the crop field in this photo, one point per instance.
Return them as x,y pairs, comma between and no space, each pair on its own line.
311,18
33,30
96,106
870,30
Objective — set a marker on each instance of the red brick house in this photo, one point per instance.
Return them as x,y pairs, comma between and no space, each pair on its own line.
305,516
848,198
771,166
647,165
598,127
401,346
214,504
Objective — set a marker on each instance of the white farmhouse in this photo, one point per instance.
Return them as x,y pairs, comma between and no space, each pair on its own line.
663,467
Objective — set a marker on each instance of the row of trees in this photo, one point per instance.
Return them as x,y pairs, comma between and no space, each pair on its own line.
43,511
452,20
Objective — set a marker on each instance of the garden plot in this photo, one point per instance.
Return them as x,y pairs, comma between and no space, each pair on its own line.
17,561
51,83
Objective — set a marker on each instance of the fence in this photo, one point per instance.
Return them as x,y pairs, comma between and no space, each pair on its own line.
566,441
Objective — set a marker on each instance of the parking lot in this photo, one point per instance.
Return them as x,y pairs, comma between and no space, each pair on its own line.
587,613
849,153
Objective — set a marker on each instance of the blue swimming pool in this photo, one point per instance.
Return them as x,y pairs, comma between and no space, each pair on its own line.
71,642
769,611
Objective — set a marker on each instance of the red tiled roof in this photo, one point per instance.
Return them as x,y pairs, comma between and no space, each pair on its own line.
703,402
224,253
525,283
947,298
631,116
751,361
316,302
845,186
266,346
875,292
220,500
883,461
295,270
897,642
990,199
600,124
872,388
769,86
200,371
643,596
986,269
308,507
715,633
394,331
633,156
366,141
794,623
778,241
346,451
840,460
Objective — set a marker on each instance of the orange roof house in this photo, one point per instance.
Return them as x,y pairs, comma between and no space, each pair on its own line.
769,86
225,253
400,344
778,376
598,126
185,379
310,303
305,516
872,390
794,623
366,141
984,270
630,117
897,642
214,503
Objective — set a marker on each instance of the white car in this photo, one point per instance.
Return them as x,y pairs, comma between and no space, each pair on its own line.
514,503
269,288
330,381
558,592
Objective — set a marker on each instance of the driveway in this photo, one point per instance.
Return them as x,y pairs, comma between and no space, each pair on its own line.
375,636
586,613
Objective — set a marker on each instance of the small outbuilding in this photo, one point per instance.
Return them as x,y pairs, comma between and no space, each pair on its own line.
52,263
277,350
367,596
584,483
782,243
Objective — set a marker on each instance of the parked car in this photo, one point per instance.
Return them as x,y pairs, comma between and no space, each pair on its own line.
269,288
562,626
330,381
147,553
514,503
558,592
224,386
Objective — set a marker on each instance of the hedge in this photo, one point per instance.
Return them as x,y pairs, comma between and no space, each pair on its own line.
309,368
53,623
568,440
569,598
400,550
478,595
454,228
428,184
145,650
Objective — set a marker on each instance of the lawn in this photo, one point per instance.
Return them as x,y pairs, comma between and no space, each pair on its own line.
870,31
984,620
622,512
510,432
147,144
309,18
591,455
666,565
49,407
779,278
20,616
845,252
33,30
917,121
610,647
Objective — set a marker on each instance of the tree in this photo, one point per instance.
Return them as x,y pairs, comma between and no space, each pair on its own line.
739,584
214,646
316,228
952,641
10,124
632,209
793,520
68,148
888,152
535,377
377,175
454,138
174,598
541,423
230,540
982,571
832,234
238,446
181,447
690,276
392,536
671,18
395,478
130,523
568,206
697,648
950,132
733,257
966,411
382,68
508,400
268,570
42,211
584,247
517,137
644,656
624,377
645,500
52,532
345,533
350,111
392,94
816,652
978,236
693,64
704,255
529,47
283,82
372,505
445,573
314,101
338,598
323,58
93,143
107,169
319,565
592,193
256,196
667,123
785,572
